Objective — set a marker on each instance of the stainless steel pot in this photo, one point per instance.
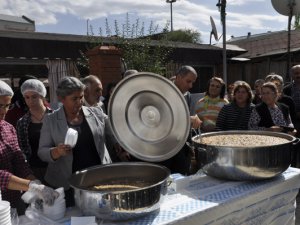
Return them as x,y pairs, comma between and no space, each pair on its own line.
245,163
125,204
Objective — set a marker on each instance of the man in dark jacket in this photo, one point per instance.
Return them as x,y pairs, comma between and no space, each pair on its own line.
181,162
293,90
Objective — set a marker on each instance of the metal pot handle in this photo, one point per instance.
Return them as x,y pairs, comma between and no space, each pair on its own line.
191,146
202,157
196,131
297,140
201,149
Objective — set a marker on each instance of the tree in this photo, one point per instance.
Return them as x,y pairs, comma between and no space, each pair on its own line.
140,52
189,36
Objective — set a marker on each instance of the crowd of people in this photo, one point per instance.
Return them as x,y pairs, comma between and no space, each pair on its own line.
33,155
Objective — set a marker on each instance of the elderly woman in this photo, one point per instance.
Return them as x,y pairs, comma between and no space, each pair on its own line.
29,126
15,174
208,107
235,115
271,115
282,98
91,124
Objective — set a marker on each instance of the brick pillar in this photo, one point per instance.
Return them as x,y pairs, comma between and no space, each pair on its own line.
105,62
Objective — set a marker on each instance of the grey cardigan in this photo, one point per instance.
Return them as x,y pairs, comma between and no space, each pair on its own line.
53,133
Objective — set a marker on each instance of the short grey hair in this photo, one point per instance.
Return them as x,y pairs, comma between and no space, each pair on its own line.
129,72
184,70
273,76
68,85
88,80
259,81
294,68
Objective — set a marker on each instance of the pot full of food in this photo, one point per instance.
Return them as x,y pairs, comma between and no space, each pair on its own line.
244,155
120,191
150,119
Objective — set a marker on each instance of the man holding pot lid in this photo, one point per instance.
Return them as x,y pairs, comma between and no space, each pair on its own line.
15,174
91,124
93,92
181,162
92,95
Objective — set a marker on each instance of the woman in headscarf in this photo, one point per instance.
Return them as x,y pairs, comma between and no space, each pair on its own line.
29,126
15,174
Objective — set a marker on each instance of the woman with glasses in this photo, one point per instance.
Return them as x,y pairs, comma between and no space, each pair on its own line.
15,174
235,115
29,126
208,107
282,98
271,115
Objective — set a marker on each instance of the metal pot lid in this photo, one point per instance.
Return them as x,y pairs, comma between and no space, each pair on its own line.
149,116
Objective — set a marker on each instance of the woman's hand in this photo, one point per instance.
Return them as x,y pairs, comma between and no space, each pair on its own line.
61,150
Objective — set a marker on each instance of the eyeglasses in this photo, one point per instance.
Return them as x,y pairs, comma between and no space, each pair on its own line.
7,106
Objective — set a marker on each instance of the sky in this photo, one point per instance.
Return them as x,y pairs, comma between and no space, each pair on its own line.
82,16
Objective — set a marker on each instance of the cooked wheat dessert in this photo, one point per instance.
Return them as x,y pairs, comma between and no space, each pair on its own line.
242,140
113,187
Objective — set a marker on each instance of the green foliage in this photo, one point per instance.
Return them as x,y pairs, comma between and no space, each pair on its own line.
189,36
140,52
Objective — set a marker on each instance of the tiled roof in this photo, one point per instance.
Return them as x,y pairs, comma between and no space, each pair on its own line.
270,43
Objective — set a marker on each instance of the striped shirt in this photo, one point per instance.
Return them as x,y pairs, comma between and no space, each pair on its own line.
232,117
208,109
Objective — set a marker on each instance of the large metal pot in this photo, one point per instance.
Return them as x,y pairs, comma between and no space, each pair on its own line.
120,204
244,163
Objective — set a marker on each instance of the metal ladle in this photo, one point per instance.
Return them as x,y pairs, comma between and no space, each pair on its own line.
196,132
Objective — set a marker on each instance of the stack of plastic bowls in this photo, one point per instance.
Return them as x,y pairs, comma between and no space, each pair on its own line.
5,218
71,137
58,209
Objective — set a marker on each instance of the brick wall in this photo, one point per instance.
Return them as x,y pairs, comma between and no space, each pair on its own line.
105,62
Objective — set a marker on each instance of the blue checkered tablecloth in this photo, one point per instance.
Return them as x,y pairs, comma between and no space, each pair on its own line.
203,200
